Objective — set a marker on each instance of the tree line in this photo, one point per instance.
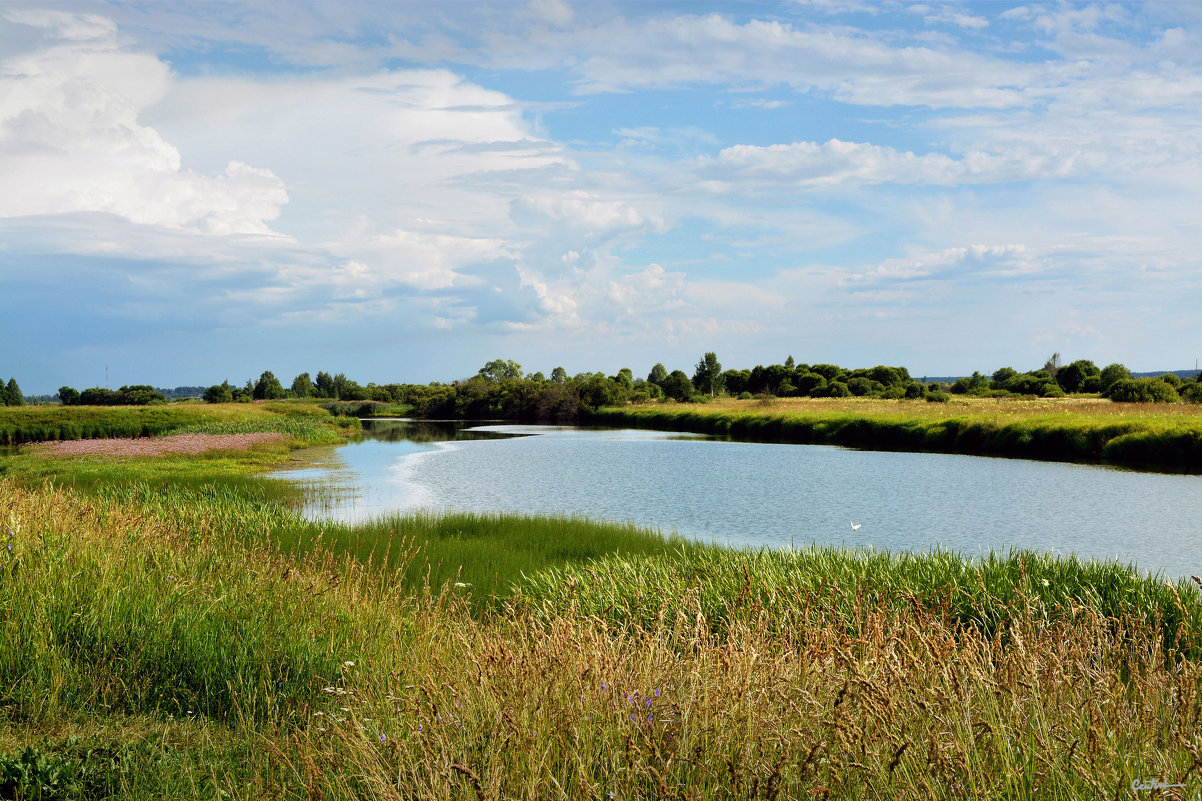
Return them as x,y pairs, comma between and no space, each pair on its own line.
500,389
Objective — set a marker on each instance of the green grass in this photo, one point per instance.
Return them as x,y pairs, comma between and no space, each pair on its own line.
170,628
167,643
1077,431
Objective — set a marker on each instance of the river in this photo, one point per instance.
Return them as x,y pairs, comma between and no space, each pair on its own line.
757,494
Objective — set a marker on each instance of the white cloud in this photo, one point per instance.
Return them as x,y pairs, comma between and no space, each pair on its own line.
71,141
834,163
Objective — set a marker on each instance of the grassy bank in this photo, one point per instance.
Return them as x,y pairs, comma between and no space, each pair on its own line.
1158,437
170,648
22,424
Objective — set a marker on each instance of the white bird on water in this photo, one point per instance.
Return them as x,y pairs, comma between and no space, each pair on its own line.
855,527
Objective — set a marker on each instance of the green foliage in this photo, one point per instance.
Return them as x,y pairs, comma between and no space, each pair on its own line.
302,386
1073,377
1172,379
134,395
68,396
219,393
810,384
677,386
323,386
1001,376
1039,383
972,385
559,375
500,370
658,375
708,376
1142,390
1110,374
836,389
12,395
268,387
938,397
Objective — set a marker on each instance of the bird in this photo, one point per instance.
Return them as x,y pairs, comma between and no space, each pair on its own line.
855,527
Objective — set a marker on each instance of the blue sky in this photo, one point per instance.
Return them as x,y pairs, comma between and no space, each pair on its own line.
404,191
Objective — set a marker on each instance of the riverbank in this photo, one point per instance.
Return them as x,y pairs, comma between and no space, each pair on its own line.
1152,437
242,667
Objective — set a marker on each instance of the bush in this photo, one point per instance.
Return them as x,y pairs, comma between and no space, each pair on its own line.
1142,390
745,396
915,390
938,397
835,389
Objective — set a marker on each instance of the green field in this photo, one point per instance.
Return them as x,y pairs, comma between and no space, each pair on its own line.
1156,437
169,628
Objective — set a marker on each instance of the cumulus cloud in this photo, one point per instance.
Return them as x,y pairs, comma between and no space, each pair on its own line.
71,140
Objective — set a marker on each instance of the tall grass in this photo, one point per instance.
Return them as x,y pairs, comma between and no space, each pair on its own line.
1081,432
175,637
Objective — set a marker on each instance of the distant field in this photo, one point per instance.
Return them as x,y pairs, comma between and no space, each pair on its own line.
20,424
1162,437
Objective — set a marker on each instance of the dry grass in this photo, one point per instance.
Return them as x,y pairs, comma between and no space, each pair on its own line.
999,410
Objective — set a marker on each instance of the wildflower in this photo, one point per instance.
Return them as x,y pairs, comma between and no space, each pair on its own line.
348,663
382,738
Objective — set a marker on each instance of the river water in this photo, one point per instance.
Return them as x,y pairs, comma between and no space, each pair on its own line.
757,494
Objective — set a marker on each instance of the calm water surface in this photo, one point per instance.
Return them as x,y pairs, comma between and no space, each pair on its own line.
758,494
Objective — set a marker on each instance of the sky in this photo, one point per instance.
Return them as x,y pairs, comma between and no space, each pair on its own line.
403,191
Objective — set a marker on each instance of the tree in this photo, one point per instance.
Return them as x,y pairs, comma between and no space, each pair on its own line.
625,377
324,385
708,377
268,387
500,369
14,395
68,396
98,396
789,363
139,395
1001,376
302,386
1052,365
658,375
1072,378
677,386
559,375
219,393
1110,374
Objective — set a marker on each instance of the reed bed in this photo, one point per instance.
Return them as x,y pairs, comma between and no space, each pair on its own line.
1158,437
153,645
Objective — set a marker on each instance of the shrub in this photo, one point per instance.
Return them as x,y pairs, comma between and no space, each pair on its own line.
1142,390
938,397
744,396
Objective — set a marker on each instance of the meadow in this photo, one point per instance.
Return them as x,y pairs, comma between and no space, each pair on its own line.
1142,436
170,628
